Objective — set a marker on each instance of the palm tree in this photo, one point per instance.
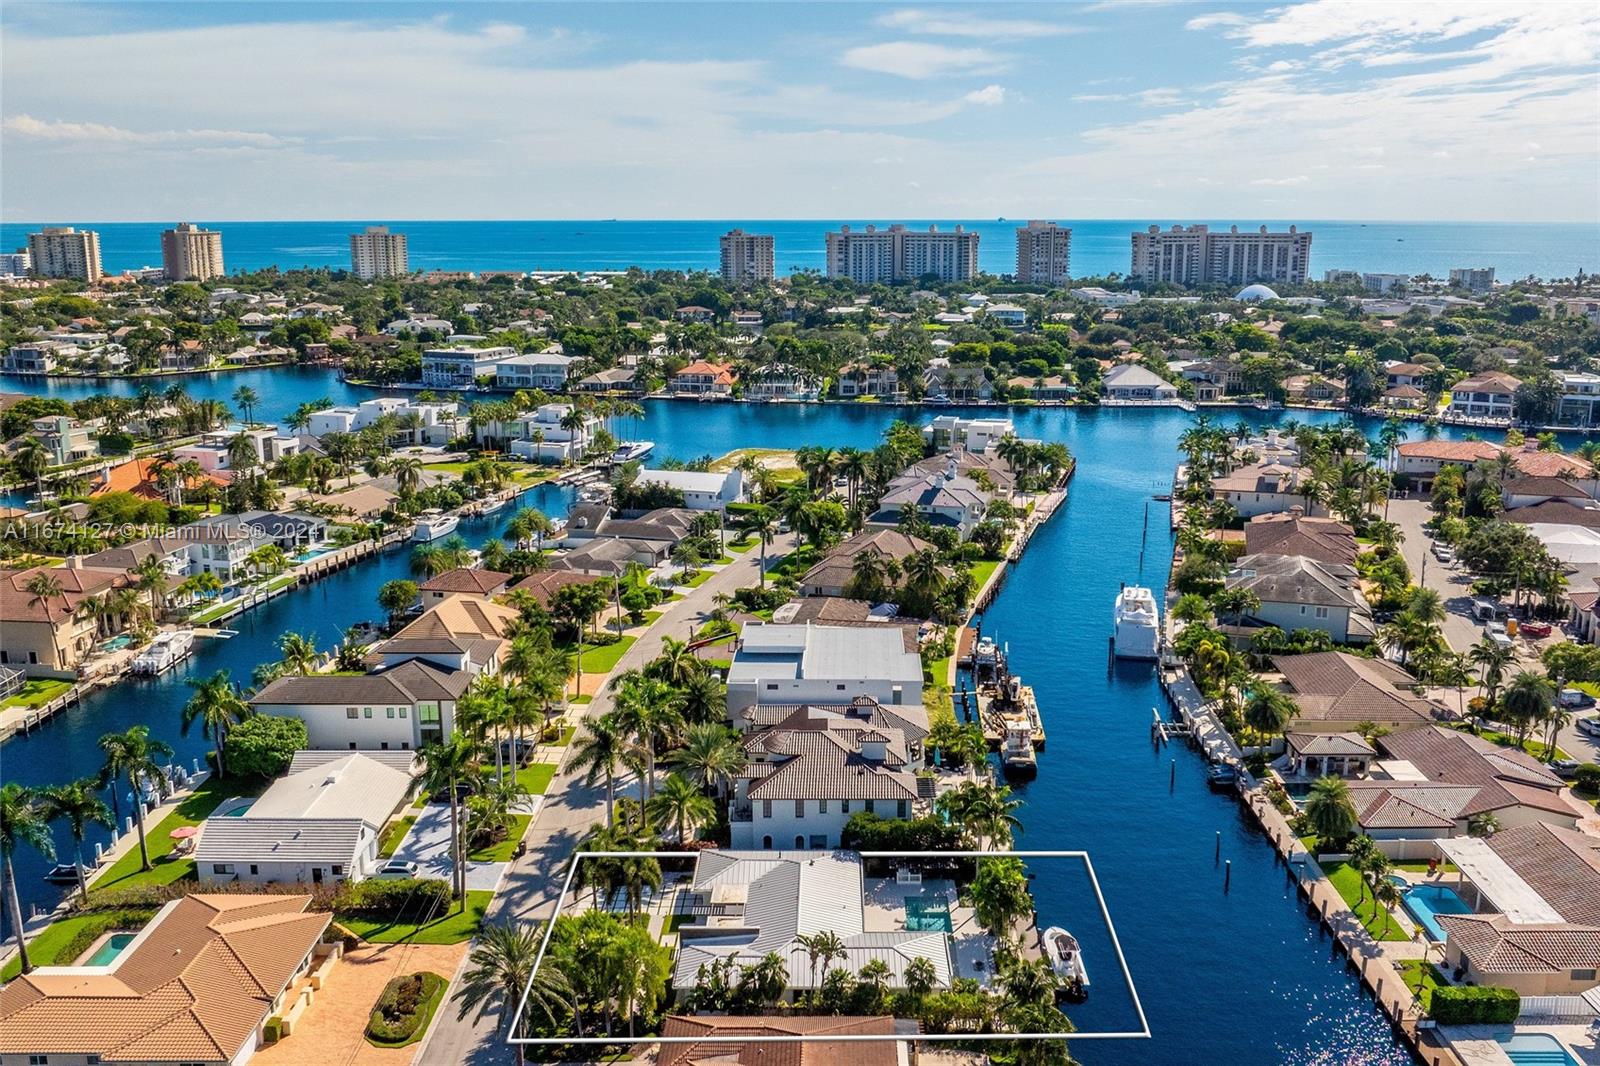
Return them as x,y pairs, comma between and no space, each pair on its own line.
299,652
649,710
824,947
1000,895
79,805
1483,825
446,765
676,664
501,966
710,755
152,577
702,698
32,461
218,706
1269,710
987,812
600,752
44,587
1527,702
22,822
135,757
407,473
764,527
679,801
1491,660
245,398
1330,811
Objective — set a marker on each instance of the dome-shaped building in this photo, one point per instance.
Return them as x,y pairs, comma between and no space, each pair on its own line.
1256,293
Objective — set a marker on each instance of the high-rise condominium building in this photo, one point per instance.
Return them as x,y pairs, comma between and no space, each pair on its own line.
377,253
16,264
1043,253
63,252
900,254
190,253
1194,255
746,257
1473,279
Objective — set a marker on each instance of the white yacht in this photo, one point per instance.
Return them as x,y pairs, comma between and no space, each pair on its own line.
1138,627
1067,960
1017,756
164,652
629,450
433,524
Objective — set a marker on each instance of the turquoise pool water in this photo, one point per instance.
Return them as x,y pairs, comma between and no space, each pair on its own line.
118,642
115,944
306,557
237,812
1427,902
927,916
1535,1049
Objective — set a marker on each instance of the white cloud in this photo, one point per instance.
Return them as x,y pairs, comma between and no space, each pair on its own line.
97,132
1297,179
919,59
959,24
988,96
1215,19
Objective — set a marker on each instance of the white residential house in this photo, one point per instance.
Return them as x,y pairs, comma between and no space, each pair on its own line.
1490,395
400,708
32,358
1297,592
1263,488
1130,381
219,545
542,437
1008,315
212,450
534,370
702,490
780,381
460,368
974,434
319,823
411,327
829,665
858,380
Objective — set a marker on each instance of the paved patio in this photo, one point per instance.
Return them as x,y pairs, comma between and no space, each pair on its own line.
333,1027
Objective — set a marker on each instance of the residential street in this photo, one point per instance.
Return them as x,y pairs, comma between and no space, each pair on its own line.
569,812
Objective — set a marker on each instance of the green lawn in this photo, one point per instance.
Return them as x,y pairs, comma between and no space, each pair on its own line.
125,872
1536,748
982,569
434,987
37,693
724,561
740,546
699,579
587,697
1413,971
393,834
566,735
719,664
535,777
938,672
1378,921
603,659
454,928
59,943
501,852
1422,867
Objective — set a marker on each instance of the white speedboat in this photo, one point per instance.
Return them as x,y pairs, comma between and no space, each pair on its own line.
164,652
433,524
1017,757
1066,959
1138,627
629,450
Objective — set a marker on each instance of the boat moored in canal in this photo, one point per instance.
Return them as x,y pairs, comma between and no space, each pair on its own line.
433,524
1066,959
1017,757
164,652
1137,633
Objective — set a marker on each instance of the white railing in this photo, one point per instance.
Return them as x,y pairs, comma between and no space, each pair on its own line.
1575,1007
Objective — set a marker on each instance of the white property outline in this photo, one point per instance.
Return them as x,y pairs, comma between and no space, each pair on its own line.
1094,880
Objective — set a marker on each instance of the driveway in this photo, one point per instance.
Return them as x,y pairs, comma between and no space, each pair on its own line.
428,845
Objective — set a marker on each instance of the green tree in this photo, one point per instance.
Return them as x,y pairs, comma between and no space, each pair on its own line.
445,766
263,745
135,757
678,802
397,597
601,751
299,652
501,967
218,706
1331,812
79,805
22,824
1000,895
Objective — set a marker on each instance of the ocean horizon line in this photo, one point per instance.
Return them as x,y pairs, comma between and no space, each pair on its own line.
790,221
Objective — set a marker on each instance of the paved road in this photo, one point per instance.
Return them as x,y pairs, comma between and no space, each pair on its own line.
570,810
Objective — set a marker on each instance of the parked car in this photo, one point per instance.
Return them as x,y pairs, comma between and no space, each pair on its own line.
1443,552
463,790
1488,610
398,869
1496,632
1591,726
1576,697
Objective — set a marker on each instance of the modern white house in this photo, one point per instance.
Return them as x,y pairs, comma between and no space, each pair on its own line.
702,490
460,368
400,708
1491,395
318,823
828,665
534,370
219,545
212,450
425,423
543,438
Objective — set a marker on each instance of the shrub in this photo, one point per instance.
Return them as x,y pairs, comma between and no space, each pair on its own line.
1587,777
868,832
263,745
393,900
405,1004
1472,1005
273,1030
95,927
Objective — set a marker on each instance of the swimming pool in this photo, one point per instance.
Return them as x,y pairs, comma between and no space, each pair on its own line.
106,953
234,808
307,556
927,915
1427,902
117,643
1535,1049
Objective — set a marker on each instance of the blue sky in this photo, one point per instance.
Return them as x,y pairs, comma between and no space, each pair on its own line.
1317,110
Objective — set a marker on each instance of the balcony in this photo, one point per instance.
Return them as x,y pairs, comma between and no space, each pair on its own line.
740,812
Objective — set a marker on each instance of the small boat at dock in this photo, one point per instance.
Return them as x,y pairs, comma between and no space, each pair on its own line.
1006,702
1017,757
1066,959
164,652
433,524
1137,632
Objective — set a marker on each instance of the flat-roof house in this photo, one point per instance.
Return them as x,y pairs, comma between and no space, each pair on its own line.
401,708
823,665
196,985
534,370
460,368
702,490
318,823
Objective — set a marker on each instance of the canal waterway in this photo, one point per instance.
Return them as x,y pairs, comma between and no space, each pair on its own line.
1236,976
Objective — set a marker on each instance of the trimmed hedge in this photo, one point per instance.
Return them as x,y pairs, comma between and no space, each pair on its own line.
404,1008
1587,777
394,900
1474,1006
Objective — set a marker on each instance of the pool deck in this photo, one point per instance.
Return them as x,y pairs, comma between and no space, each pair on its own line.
1478,1045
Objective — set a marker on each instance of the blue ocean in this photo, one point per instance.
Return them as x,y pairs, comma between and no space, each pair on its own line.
1099,246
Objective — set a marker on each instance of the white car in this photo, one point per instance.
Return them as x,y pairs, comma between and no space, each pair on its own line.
1443,552
1496,632
1590,726
397,870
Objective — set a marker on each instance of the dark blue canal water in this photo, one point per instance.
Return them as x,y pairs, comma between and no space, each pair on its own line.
1226,977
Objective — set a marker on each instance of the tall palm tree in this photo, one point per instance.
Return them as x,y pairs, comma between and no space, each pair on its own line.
218,706
246,399
1331,812
679,802
824,947
650,711
446,765
44,587
501,967
764,527
1491,659
407,472
133,756
601,751
676,664
32,461
78,804
1527,703
22,823
710,755
1269,710
152,577
299,652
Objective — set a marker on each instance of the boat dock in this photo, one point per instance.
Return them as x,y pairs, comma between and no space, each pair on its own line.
1196,718
25,720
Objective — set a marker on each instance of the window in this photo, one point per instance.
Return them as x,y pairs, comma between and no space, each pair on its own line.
351,712
428,712
388,712
799,808
366,712
822,806
405,745
254,869
772,687
403,711
844,806
352,745
38,1060
870,807
819,841
900,808
1583,975
839,687
222,868
1322,612
766,842
338,871
799,842
766,808
386,745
